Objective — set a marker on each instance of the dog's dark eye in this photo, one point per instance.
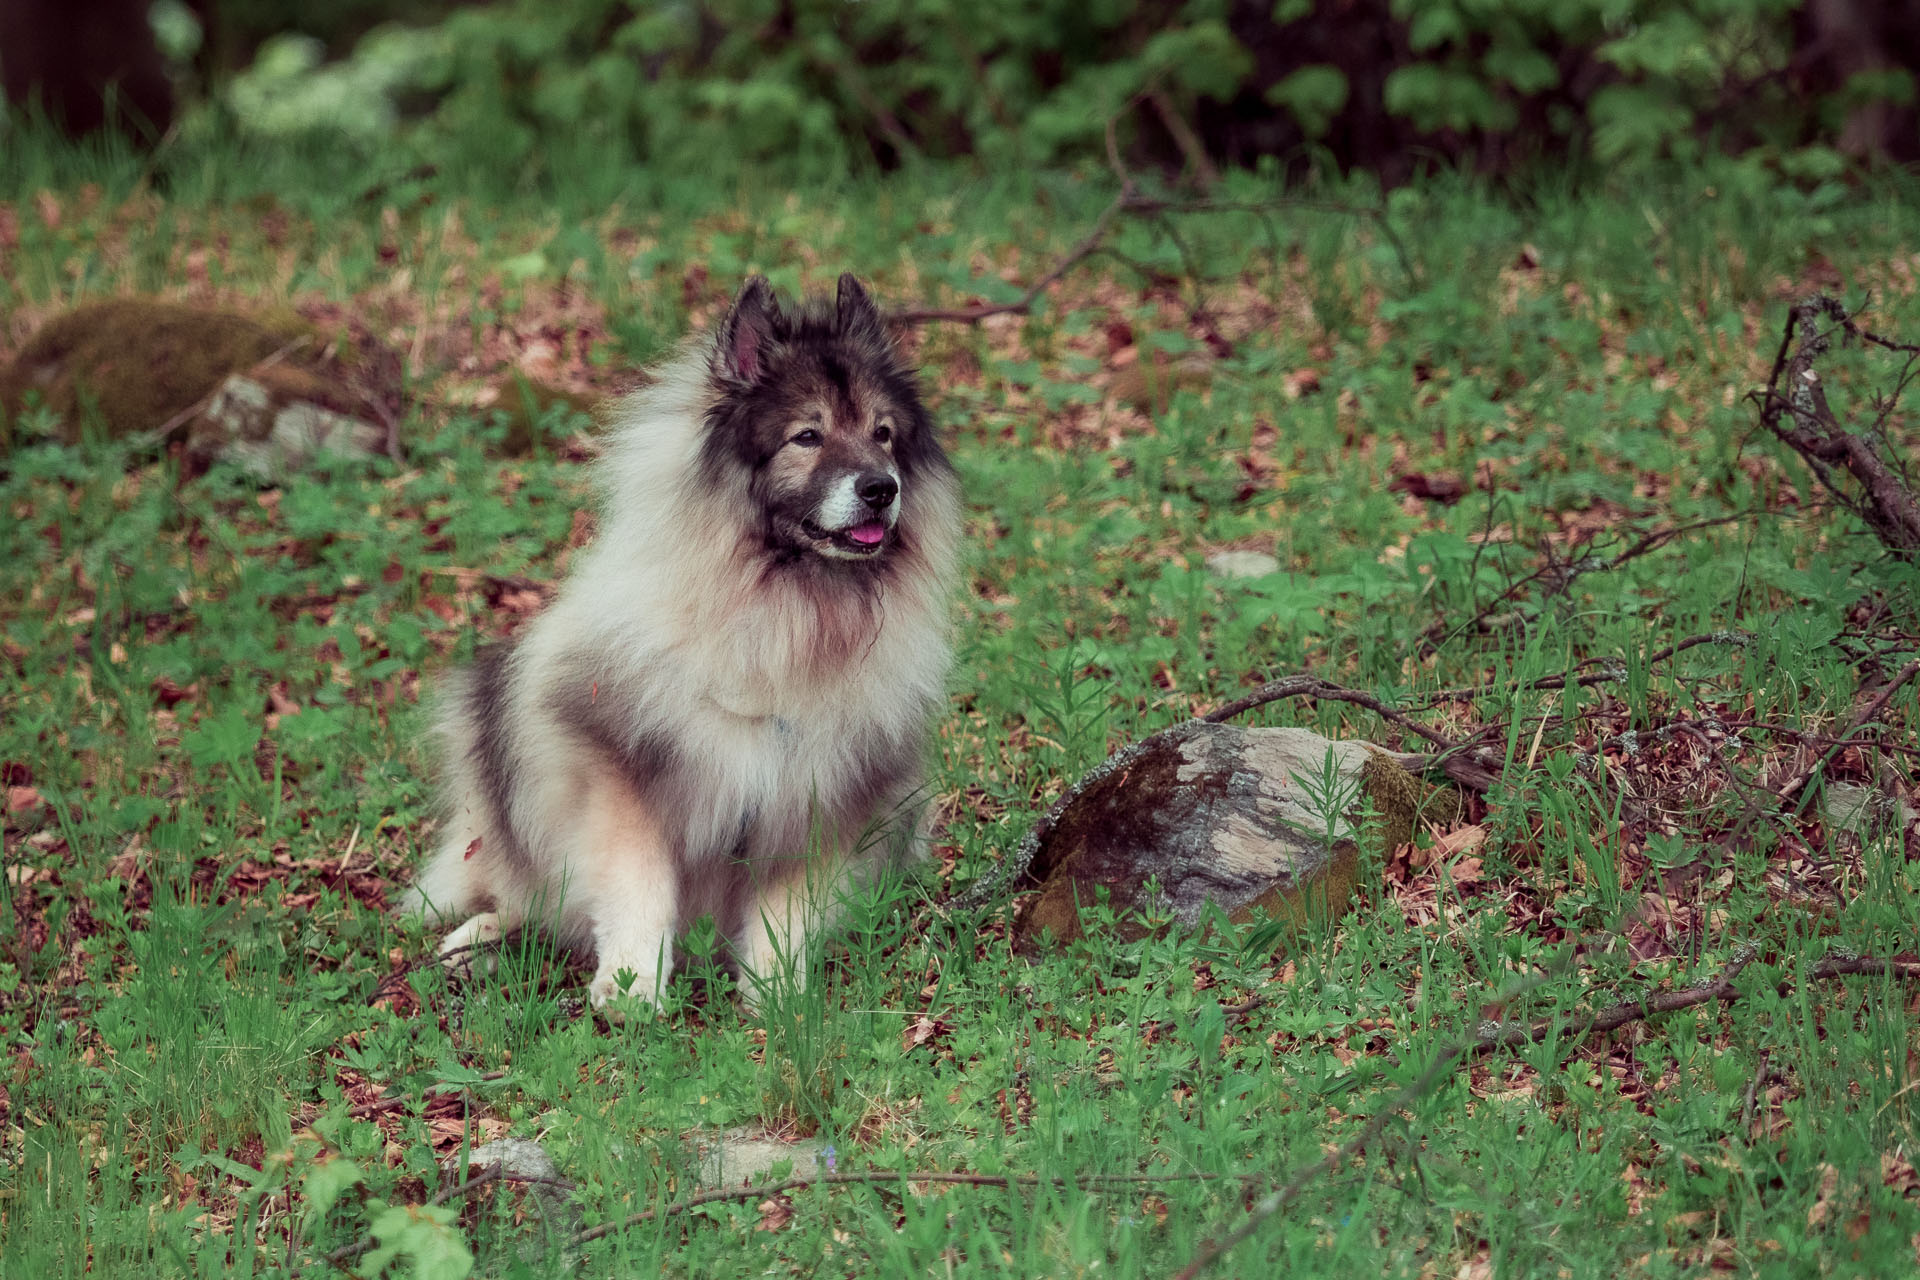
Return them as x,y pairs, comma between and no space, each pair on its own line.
883,433
809,439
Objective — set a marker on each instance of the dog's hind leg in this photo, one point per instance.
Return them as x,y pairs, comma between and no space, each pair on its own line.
459,883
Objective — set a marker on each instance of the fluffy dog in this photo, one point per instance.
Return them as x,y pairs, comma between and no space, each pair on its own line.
724,710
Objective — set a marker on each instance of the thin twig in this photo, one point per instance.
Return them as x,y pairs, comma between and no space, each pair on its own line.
1278,1200
1559,574
487,1176
1130,200
1492,1036
1615,1016
1314,687
1485,1039
1579,678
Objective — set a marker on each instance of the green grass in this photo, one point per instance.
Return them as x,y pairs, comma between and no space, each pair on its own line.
204,1007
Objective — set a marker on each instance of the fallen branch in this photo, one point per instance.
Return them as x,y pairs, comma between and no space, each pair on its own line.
1558,574
1613,1017
1271,1204
1487,1038
1314,687
1611,670
1881,491
1023,305
1131,201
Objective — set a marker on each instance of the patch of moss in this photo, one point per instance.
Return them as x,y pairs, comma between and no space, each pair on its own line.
136,364
1405,801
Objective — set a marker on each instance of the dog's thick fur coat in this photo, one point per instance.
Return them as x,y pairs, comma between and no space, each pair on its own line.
723,711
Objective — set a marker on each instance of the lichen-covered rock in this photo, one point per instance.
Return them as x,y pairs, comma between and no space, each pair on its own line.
1216,815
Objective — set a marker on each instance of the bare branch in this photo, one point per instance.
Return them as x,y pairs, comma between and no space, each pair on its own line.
1023,305
1794,394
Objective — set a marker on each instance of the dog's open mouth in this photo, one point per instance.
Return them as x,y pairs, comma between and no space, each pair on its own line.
860,539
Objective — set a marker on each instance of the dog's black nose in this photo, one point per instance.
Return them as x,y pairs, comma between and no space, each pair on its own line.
876,489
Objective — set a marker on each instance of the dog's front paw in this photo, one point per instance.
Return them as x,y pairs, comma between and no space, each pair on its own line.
622,984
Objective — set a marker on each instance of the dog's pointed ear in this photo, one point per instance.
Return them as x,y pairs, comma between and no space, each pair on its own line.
854,311
751,327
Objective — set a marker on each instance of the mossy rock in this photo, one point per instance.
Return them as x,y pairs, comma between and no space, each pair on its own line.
136,364
1216,817
132,368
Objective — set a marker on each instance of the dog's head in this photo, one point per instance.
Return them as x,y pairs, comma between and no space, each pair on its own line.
817,407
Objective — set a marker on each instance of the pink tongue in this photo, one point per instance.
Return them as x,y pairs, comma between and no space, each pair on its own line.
867,534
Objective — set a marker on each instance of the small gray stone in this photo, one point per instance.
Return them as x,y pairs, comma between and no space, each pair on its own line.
740,1155
1242,564
550,1216
514,1157
1863,810
278,440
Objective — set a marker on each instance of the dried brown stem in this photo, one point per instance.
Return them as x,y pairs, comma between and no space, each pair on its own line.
1580,678
1615,1016
1271,1204
873,1177
1130,200
1023,305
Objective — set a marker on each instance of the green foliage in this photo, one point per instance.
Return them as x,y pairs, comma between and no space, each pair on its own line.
816,85
1314,95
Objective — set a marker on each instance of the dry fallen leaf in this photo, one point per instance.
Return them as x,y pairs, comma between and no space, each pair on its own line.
1458,840
924,1029
776,1213
1897,1172
1822,1207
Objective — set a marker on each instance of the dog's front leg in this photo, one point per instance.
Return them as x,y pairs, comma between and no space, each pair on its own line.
624,882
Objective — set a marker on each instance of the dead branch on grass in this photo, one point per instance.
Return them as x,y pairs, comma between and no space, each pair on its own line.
1486,1038
1580,677
1314,687
903,1178
1023,305
1865,472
